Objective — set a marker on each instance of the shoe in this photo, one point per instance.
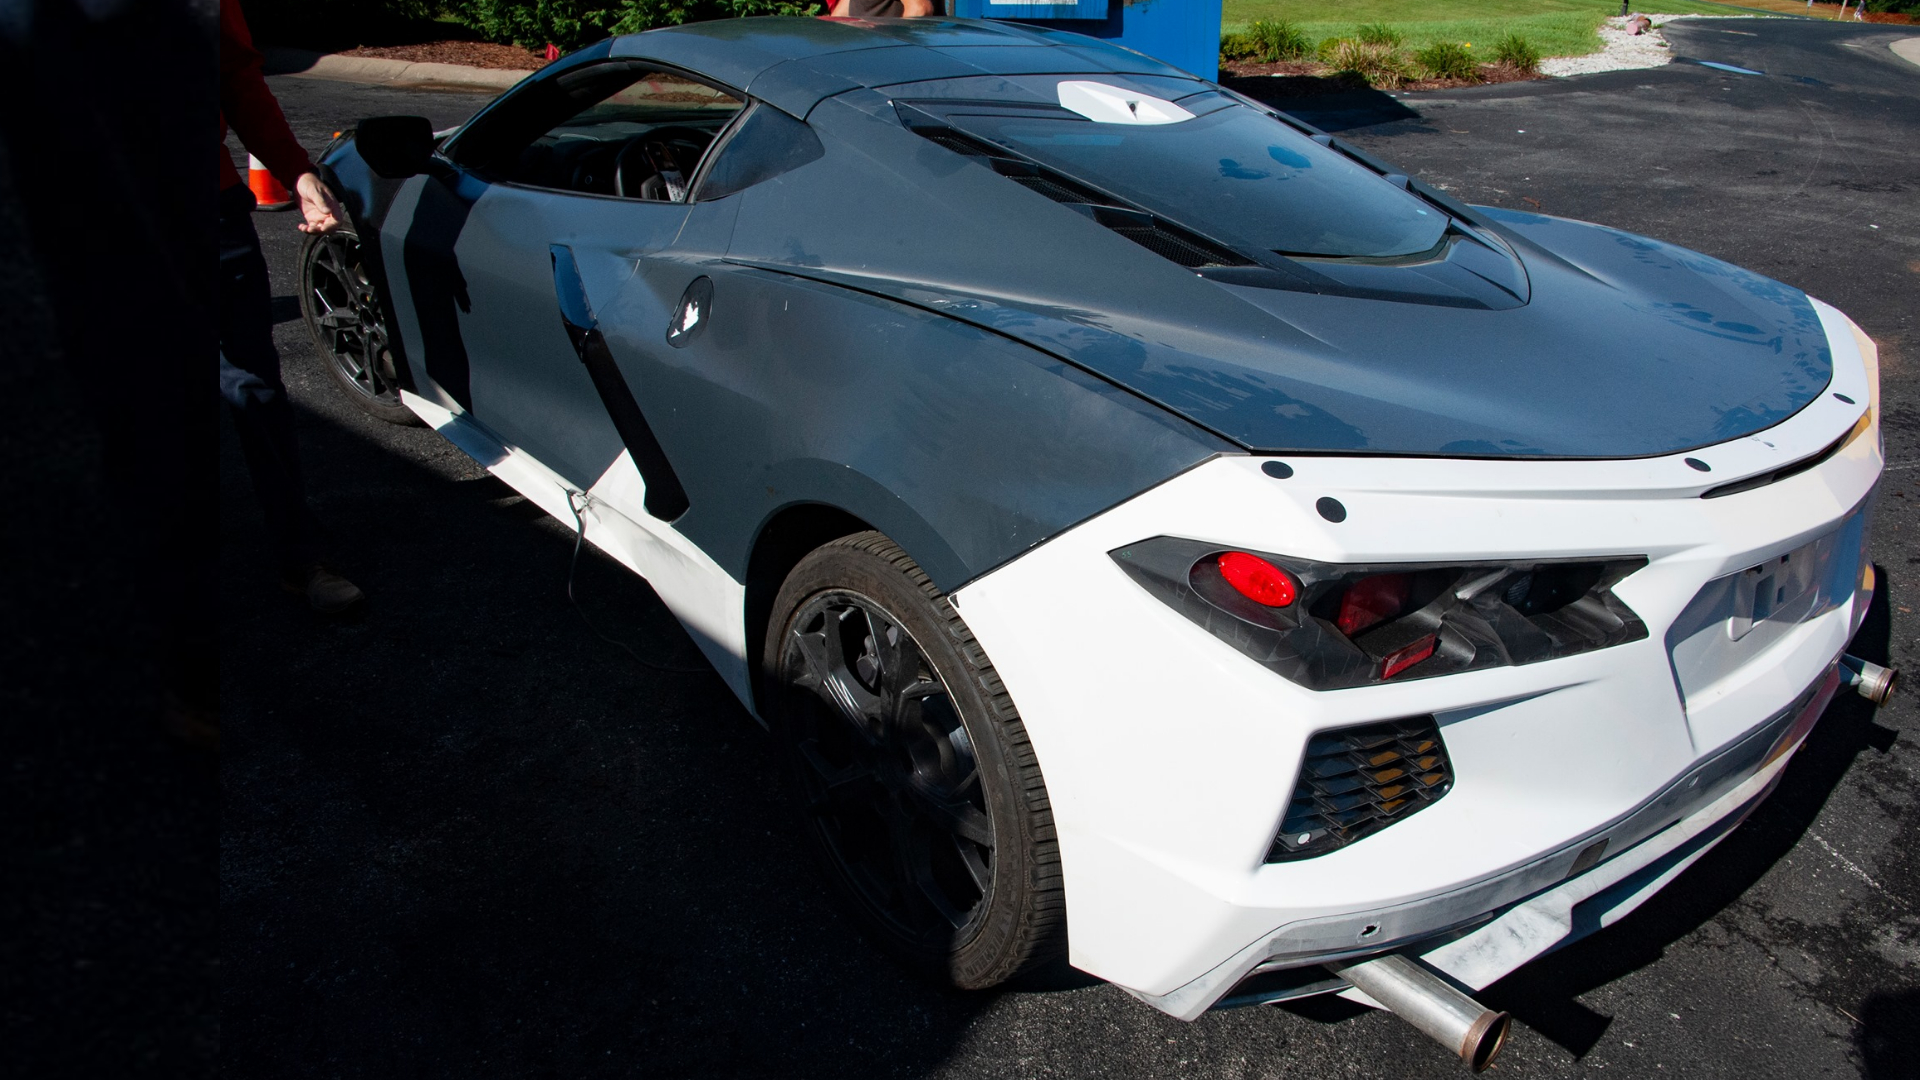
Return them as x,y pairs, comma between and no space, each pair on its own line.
327,592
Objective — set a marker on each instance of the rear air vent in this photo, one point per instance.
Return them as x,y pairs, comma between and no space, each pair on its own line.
1356,781
954,141
1179,246
1149,231
1052,189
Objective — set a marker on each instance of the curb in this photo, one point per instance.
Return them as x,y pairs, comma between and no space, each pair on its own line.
395,73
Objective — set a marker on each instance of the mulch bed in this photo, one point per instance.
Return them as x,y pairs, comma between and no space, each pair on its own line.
1305,78
480,54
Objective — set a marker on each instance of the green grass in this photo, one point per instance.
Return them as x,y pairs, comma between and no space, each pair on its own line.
1555,27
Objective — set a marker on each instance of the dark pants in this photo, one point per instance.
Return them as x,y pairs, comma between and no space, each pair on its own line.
250,384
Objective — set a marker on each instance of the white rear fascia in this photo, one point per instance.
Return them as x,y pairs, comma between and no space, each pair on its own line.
1168,755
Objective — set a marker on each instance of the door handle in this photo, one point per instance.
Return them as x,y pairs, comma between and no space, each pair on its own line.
666,498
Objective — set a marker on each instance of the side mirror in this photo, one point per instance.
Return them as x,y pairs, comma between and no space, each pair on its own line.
396,147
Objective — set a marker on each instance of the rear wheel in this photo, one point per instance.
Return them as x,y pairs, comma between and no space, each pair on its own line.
912,770
343,314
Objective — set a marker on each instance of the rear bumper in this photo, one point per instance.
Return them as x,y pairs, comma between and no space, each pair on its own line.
1484,931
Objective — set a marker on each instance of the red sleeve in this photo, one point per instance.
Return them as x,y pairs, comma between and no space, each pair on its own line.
247,104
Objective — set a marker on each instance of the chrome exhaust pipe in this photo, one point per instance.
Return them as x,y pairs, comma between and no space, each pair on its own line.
1420,996
1869,680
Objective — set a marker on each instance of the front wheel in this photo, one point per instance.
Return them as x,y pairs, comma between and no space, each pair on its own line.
912,771
342,310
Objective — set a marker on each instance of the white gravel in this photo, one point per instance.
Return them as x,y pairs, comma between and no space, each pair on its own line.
1623,50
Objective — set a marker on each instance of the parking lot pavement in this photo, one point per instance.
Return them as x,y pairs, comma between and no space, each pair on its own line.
464,836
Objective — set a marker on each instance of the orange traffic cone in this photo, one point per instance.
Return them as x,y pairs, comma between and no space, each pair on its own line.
268,193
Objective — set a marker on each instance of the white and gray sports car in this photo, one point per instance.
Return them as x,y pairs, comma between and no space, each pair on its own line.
1156,532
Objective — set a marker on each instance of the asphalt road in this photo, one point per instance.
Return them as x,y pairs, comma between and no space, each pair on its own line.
463,836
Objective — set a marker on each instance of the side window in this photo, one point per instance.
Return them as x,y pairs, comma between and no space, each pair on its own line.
614,129
766,143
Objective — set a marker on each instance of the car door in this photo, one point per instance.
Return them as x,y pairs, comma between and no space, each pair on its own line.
561,204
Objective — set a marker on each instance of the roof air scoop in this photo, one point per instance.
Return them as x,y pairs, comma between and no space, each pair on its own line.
1106,104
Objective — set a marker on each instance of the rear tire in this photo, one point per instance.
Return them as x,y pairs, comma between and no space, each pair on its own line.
911,770
344,315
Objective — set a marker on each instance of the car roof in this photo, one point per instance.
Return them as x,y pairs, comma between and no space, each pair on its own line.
794,63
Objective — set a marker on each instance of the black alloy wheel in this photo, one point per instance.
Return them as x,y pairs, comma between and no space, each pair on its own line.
888,769
912,771
342,309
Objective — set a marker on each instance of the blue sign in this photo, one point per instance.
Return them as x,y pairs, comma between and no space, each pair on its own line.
1012,9
1184,33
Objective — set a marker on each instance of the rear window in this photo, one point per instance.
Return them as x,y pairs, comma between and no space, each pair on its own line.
1234,173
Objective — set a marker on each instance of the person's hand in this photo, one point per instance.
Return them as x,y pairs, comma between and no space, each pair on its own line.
317,204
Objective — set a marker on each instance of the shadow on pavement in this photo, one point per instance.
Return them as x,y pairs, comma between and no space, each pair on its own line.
462,835
1329,103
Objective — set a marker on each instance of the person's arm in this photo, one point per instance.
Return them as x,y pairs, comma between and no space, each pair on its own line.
249,106
254,115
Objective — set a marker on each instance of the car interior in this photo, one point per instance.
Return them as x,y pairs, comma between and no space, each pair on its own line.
628,131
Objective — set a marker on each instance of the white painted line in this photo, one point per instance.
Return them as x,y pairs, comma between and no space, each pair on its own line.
1844,861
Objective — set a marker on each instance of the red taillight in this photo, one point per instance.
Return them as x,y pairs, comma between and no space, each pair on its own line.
1406,656
1372,600
1257,579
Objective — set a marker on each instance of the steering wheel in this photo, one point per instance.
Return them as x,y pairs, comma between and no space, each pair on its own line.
669,154
590,172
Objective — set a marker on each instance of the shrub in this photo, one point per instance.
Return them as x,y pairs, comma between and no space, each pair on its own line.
1516,52
533,23
1236,46
1277,40
1379,65
1448,60
340,24
572,23
1379,34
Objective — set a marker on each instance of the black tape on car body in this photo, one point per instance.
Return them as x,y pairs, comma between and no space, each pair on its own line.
666,499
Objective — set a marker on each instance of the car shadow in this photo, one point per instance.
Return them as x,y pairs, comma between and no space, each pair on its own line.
462,835
1330,103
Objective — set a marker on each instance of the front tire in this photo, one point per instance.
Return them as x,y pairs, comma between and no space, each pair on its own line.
912,771
343,313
